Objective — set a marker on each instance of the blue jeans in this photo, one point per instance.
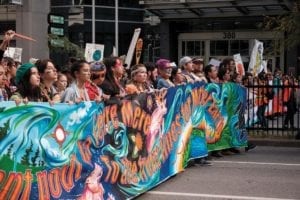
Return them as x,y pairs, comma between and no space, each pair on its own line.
261,115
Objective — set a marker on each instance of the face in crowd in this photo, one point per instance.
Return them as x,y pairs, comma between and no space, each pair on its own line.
198,66
50,72
2,77
34,78
177,76
152,75
118,68
213,73
62,82
164,68
81,71
139,74
98,72
232,65
189,66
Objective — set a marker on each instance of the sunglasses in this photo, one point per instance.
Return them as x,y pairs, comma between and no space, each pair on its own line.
96,76
167,70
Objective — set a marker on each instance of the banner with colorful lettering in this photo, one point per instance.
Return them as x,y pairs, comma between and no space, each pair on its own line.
92,151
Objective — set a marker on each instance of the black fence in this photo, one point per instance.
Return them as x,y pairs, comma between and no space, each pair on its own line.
273,110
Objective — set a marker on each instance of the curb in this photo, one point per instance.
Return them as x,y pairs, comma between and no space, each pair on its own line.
275,142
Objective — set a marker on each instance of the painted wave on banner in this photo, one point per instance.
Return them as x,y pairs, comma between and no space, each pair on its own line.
92,151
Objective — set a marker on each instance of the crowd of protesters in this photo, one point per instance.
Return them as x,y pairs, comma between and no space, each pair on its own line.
111,81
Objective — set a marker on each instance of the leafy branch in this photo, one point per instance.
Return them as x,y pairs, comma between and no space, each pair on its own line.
287,23
64,45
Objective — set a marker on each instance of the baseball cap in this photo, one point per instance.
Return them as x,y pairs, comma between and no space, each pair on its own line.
184,60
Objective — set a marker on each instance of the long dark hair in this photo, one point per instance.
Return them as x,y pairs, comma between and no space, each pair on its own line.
76,66
42,65
110,62
26,90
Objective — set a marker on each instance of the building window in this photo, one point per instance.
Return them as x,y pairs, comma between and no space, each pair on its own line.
193,48
270,47
239,46
219,48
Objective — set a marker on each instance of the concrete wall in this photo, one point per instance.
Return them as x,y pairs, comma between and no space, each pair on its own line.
31,20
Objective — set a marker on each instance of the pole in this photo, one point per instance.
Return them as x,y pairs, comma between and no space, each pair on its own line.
93,21
117,27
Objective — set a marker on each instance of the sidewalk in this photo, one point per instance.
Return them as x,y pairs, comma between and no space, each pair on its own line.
275,142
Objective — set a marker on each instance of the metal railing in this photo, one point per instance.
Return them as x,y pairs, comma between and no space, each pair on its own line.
278,111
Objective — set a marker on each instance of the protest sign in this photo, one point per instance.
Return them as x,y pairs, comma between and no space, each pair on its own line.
132,45
239,64
256,59
14,53
93,52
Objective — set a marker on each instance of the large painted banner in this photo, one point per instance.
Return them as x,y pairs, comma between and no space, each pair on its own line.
92,151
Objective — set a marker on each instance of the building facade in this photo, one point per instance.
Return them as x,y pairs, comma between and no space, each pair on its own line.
30,18
218,29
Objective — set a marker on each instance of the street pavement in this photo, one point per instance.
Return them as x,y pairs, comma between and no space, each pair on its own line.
264,173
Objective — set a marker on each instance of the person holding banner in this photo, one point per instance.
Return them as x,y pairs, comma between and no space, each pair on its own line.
198,68
98,71
211,74
186,64
151,74
112,84
223,74
28,82
48,74
177,77
138,82
229,64
165,71
61,84
77,91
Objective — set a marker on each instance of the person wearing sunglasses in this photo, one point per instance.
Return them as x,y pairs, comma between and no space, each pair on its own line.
98,71
165,71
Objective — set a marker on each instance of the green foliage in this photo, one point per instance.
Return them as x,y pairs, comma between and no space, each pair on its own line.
36,155
2,109
26,158
64,45
287,23
9,150
4,130
41,163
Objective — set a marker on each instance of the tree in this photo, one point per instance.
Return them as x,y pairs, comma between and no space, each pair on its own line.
36,155
26,158
64,45
4,129
9,150
287,23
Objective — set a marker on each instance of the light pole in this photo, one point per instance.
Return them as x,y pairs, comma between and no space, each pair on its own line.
93,22
148,51
117,27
